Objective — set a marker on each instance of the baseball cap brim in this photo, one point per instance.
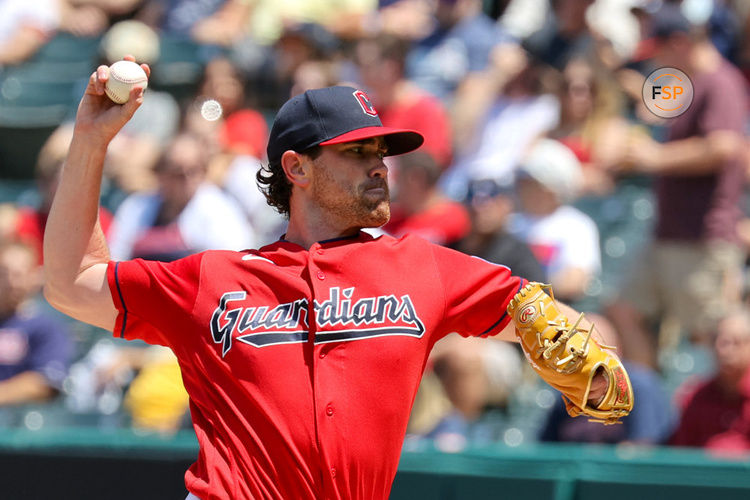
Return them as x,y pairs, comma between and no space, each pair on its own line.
398,140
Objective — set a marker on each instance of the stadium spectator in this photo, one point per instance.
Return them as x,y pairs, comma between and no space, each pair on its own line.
691,271
591,122
155,397
420,208
223,82
297,45
220,94
723,28
565,35
496,115
345,19
490,206
459,44
25,27
89,18
35,350
475,375
235,135
633,69
315,74
133,154
563,239
409,19
399,102
30,221
186,214
650,422
242,139
715,412
8,221
210,22
743,49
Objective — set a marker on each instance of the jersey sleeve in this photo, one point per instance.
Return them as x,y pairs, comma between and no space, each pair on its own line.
154,299
476,293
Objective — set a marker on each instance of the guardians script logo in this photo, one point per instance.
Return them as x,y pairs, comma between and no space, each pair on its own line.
340,318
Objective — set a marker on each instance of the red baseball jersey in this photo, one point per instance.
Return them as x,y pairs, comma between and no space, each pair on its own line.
302,365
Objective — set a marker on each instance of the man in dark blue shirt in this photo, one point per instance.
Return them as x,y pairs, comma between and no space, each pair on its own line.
35,350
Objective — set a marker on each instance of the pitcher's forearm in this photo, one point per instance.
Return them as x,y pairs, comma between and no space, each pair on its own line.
73,239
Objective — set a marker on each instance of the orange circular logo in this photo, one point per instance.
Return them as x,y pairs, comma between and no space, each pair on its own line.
527,314
667,92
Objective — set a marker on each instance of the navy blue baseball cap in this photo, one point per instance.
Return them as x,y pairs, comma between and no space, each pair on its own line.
333,115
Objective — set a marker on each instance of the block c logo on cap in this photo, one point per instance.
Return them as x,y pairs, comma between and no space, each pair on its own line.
365,103
667,92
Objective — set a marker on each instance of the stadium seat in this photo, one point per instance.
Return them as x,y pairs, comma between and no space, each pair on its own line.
179,68
38,95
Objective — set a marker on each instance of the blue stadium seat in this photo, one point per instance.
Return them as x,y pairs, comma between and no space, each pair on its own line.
38,95
44,90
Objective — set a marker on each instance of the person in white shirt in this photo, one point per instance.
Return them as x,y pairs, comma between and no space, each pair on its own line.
563,239
185,215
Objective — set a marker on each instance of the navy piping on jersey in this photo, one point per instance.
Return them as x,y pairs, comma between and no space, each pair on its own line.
347,335
340,238
505,313
122,301
351,237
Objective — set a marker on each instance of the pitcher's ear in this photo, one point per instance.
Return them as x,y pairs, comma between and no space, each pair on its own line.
297,168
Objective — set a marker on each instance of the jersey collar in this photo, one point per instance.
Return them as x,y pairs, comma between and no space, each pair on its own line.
359,236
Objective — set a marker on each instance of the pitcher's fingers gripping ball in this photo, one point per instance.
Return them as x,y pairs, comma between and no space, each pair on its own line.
123,76
567,357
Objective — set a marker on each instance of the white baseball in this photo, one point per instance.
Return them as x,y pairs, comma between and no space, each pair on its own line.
123,76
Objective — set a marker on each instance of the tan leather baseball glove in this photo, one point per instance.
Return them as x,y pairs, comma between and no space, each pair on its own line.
567,357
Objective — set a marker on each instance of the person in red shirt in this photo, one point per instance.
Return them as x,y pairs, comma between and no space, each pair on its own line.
420,208
301,358
401,103
716,411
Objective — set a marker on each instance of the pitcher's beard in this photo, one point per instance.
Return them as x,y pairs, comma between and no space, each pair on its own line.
359,209
364,205
378,215
365,209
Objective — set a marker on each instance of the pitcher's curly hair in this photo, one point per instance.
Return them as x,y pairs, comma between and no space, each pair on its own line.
274,185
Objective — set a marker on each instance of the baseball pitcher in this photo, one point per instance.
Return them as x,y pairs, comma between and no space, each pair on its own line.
302,358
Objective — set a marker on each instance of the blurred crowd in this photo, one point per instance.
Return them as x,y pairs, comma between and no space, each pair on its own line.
539,154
